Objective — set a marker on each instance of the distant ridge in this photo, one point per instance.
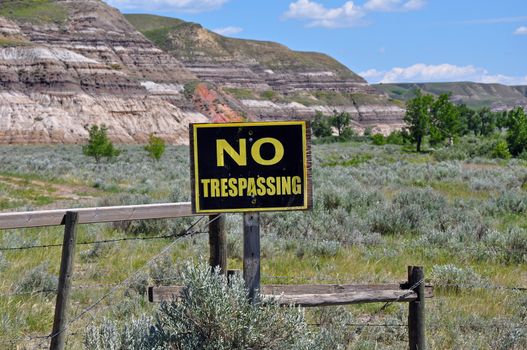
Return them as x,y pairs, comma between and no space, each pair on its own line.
476,95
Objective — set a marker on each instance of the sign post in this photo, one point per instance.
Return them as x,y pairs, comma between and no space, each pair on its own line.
251,252
249,168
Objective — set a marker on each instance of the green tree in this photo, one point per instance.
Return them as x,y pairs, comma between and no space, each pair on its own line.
99,145
340,121
418,117
156,147
445,123
501,150
488,121
378,139
502,119
468,119
320,125
517,131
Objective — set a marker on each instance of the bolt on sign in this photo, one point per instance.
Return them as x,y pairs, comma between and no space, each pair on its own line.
242,167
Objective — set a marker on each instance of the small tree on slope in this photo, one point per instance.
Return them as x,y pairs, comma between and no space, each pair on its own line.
99,145
156,147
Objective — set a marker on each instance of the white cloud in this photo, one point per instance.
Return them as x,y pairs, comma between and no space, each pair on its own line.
167,5
393,5
413,5
521,31
347,15
503,79
227,30
372,74
423,72
439,73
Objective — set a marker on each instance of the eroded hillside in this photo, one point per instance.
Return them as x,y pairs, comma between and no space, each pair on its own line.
268,78
85,65
65,65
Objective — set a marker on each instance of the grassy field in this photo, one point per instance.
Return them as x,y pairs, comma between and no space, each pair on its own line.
377,210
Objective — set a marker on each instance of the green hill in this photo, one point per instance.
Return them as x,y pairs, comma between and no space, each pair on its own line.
188,41
145,23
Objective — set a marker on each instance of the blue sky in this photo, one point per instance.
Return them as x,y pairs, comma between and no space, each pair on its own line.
383,40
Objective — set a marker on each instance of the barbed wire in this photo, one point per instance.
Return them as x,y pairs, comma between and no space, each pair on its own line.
303,236
341,278
362,324
337,280
54,291
188,232
112,240
480,286
131,277
358,332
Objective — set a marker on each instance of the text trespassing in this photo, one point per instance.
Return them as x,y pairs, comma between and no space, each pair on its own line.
252,187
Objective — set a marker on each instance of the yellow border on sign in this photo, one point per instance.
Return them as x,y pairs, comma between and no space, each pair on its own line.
234,125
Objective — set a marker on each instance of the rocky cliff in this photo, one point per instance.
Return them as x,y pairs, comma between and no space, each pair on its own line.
86,65
270,80
65,65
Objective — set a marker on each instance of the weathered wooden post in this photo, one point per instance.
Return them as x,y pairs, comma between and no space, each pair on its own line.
218,242
416,311
251,252
58,336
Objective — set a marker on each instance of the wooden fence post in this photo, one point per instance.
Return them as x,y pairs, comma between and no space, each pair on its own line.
251,252
218,242
58,336
416,309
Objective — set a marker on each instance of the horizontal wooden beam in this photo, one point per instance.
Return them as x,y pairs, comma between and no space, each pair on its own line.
290,291
358,297
296,289
95,215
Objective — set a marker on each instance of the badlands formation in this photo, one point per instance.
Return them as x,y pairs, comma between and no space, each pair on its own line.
72,64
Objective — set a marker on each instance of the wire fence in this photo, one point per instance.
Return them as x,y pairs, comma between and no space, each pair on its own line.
114,287
478,249
362,324
113,240
343,278
335,280
370,318
44,338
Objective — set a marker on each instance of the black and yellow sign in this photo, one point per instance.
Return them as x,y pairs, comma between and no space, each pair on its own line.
240,167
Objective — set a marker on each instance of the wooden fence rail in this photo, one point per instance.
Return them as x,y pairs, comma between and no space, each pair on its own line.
315,294
43,218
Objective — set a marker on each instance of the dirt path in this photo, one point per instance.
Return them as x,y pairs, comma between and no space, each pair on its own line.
62,195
